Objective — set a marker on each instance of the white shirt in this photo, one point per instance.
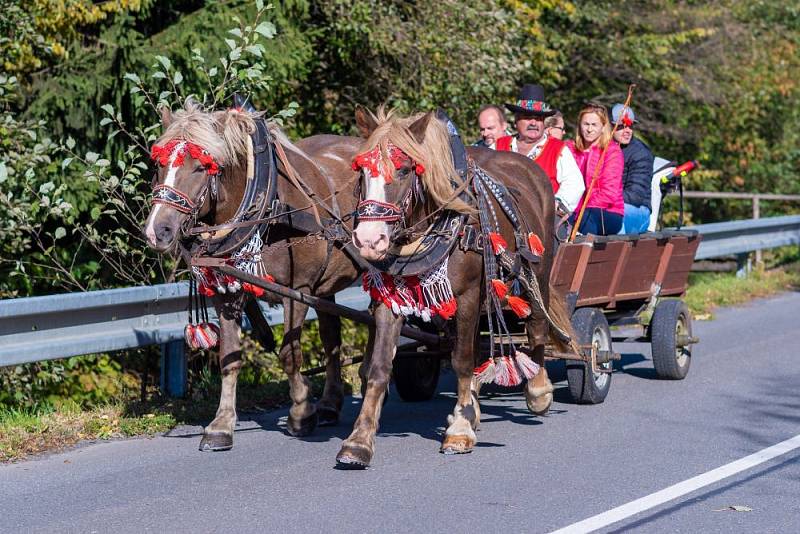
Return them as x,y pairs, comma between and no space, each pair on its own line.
568,175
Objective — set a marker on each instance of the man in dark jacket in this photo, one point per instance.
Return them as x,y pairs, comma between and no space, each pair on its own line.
637,174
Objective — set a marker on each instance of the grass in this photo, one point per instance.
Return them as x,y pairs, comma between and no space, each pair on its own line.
26,432
262,386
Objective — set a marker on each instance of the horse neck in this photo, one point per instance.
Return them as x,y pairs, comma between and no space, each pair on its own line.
231,191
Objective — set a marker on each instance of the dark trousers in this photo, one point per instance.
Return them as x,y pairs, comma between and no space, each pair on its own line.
598,221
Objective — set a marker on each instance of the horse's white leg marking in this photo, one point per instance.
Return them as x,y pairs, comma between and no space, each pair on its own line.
172,172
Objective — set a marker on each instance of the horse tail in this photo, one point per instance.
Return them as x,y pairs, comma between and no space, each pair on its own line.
561,320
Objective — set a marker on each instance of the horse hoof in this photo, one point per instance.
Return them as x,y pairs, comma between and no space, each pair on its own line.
353,457
327,417
303,427
216,441
457,445
539,405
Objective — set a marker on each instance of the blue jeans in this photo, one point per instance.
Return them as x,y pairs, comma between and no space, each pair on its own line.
598,221
636,220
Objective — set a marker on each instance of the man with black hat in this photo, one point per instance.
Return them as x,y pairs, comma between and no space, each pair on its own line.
551,154
637,174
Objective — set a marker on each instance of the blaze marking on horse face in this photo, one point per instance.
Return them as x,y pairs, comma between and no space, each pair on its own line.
172,173
370,232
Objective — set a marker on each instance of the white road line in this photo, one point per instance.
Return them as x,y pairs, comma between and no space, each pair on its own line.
681,488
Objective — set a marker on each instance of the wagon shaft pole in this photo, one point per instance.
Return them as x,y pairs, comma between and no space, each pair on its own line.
326,306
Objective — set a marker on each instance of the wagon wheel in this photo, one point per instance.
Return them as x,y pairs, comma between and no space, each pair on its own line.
416,378
586,386
670,326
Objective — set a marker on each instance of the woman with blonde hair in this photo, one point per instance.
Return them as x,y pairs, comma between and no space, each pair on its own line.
599,157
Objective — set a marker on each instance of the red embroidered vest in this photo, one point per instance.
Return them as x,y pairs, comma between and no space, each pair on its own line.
547,158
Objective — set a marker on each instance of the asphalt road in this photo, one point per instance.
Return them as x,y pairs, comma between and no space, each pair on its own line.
527,474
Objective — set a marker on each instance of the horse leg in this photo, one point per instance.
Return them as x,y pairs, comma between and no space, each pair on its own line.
302,415
363,369
261,327
218,435
358,448
460,438
329,406
539,391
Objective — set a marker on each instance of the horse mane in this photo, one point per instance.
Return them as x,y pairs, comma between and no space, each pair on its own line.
433,153
223,133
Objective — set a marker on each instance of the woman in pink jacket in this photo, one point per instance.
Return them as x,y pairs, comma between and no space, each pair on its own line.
604,205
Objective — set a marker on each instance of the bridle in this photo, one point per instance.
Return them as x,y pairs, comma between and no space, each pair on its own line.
176,199
375,210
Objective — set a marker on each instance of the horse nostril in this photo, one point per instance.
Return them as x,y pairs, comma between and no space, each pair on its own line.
382,243
164,233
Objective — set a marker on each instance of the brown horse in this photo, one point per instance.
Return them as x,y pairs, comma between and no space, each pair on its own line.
399,156
201,181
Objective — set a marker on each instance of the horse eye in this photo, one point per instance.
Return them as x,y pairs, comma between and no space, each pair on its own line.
199,168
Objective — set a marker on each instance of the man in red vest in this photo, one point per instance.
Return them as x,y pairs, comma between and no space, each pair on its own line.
551,154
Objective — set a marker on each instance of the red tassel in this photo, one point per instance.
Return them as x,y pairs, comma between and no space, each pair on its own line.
205,290
500,289
254,289
519,306
535,244
485,373
507,374
526,366
201,336
446,309
499,244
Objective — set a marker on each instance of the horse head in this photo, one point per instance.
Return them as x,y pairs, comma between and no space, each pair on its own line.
191,156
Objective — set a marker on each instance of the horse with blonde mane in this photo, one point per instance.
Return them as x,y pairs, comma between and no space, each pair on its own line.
408,179
204,168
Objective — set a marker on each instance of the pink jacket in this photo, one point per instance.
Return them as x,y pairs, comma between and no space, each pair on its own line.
607,191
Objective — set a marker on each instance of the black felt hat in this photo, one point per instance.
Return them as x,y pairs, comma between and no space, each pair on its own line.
531,101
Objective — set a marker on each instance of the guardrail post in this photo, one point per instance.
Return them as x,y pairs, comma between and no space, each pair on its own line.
757,215
173,369
743,265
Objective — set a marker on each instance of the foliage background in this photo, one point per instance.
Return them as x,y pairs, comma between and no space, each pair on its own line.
716,81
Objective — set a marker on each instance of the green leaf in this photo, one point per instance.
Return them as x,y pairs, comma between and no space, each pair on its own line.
164,61
158,75
267,29
259,5
105,120
231,43
70,143
102,163
212,72
3,172
236,31
60,232
235,54
91,157
177,78
66,162
95,213
108,108
255,49
132,77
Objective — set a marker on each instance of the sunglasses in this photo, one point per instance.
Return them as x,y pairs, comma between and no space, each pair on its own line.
558,128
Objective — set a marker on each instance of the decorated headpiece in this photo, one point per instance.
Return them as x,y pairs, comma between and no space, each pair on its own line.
162,154
372,160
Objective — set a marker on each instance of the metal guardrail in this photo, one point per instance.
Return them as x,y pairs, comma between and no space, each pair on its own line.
58,326
742,237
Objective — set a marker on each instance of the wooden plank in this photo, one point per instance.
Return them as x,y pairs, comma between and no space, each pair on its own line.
580,269
618,270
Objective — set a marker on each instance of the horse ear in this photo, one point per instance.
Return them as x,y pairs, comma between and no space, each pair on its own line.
365,121
420,126
166,116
